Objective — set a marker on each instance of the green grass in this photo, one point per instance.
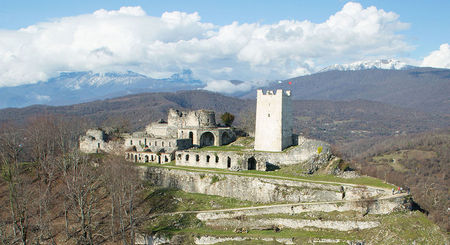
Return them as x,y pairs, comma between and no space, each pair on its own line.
222,148
244,141
396,228
364,180
164,200
406,228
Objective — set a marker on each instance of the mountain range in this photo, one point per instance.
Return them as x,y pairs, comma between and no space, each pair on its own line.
386,64
388,81
78,87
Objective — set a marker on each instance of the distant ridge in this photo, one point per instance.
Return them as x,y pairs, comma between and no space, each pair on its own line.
77,87
420,88
333,121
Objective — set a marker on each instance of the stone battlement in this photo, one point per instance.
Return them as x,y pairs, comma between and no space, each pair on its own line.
278,92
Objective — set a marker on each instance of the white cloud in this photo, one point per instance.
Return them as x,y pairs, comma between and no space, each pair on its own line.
130,39
226,86
438,58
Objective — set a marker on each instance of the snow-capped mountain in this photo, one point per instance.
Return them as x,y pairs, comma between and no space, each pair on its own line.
77,80
77,87
386,64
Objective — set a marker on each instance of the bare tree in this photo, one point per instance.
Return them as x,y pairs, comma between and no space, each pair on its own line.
12,172
82,181
123,184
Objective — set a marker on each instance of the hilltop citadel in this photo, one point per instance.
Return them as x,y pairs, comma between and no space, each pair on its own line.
191,152
187,137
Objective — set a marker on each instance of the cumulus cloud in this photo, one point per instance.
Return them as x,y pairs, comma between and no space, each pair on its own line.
439,58
227,86
130,39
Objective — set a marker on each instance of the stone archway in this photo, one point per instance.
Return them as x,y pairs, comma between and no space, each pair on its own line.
146,158
251,163
207,139
226,138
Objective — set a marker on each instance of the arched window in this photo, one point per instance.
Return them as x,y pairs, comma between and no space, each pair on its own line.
187,157
217,159
207,158
191,136
228,162
197,158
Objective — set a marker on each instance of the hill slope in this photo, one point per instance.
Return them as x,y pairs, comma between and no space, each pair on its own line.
426,89
326,120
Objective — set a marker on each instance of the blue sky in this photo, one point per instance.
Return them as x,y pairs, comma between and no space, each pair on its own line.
407,30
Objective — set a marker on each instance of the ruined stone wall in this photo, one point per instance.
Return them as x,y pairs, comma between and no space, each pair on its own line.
194,119
211,159
251,188
94,142
153,157
157,129
305,154
306,151
157,144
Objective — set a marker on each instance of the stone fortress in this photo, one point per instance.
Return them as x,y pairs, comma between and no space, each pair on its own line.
184,136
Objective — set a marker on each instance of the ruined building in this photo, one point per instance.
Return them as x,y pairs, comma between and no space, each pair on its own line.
183,135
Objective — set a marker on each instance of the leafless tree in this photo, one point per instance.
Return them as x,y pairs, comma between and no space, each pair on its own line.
123,184
11,145
82,182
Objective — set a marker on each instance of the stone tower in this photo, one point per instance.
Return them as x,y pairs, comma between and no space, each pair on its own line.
273,129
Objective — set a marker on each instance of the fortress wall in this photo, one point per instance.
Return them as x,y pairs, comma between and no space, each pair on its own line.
383,206
255,189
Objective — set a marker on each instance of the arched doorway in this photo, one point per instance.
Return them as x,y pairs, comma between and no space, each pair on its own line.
226,138
251,163
207,139
146,158
135,158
